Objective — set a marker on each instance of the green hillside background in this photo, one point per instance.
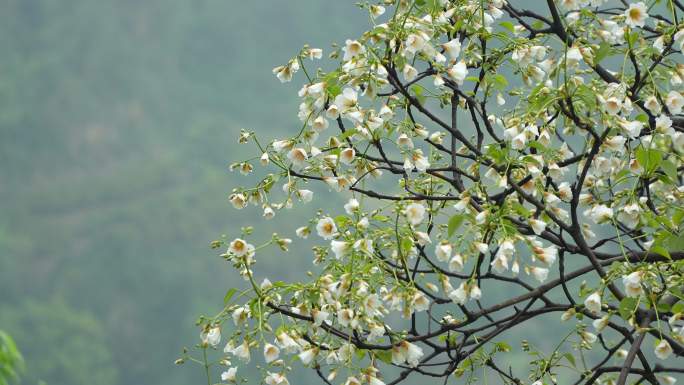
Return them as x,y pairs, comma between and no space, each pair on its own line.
118,119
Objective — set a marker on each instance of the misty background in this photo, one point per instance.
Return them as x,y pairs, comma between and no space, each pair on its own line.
118,119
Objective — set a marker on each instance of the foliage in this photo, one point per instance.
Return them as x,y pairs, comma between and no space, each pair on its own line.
72,344
462,181
11,361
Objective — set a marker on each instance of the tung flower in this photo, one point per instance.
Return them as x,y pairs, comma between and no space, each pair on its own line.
593,303
326,228
415,213
636,15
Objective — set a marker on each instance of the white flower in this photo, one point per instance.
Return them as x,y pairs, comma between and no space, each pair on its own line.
339,248
319,124
593,303
276,379
459,295
303,232
630,215
347,155
443,251
415,213
377,10
422,238
287,343
600,323
546,255
568,314
458,72
636,15
632,283
417,160
456,263
240,315
352,48
284,73
352,381
333,112
242,351
537,226
481,247
452,48
319,316
326,228
351,206
663,350
612,105
601,213
265,284
345,316
305,195
475,292
506,251
500,263
588,337
651,103
674,102
238,201
239,247
346,100
271,353
539,273
212,337
413,354
268,212
573,56
663,123
364,245
633,128
298,157
229,375
307,356
415,42
420,302
500,99
315,53
409,72
518,142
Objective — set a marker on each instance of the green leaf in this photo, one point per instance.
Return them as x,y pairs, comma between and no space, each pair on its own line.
674,242
503,347
499,81
454,224
670,169
349,132
508,25
627,307
661,250
601,53
570,358
678,307
229,294
384,356
649,159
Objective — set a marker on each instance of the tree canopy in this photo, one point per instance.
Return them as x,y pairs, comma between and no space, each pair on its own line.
499,164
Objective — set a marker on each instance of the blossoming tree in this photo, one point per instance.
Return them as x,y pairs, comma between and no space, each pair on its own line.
499,163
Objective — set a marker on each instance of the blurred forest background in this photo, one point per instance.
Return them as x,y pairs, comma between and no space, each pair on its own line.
118,119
